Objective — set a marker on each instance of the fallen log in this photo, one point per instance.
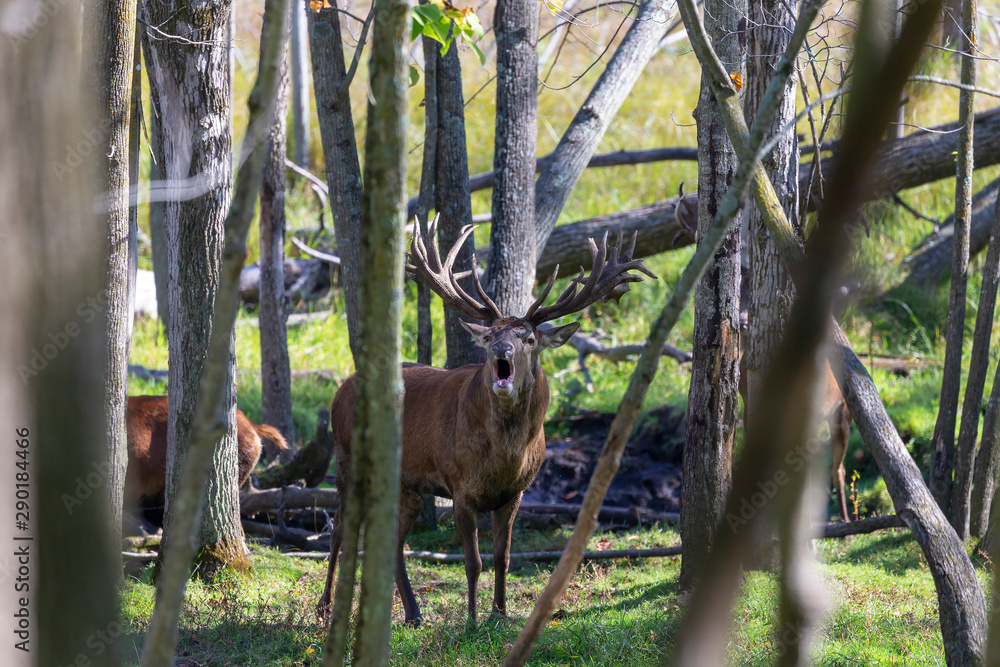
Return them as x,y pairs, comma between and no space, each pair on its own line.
303,278
902,366
587,344
932,258
287,498
862,526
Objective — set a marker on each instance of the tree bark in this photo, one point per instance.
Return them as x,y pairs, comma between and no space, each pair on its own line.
196,140
713,400
771,291
987,467
53,248
111,56
932,257
425,330
215,403
378,429
310,463
512,235
157,225
299,58
451,194
340,153
583,135
945,460
275,373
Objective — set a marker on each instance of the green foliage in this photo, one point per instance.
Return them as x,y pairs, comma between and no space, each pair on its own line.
444,23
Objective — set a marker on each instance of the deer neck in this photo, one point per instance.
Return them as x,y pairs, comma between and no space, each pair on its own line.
516,418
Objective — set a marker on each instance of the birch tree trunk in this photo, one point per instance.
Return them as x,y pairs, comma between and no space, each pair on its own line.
966,451
509,273
340,153
944,459
110,57
53,342
451,194
157,212
713,400
275,374
189,85
379,408
299,57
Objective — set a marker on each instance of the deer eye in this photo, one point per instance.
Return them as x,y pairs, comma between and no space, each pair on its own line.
531,340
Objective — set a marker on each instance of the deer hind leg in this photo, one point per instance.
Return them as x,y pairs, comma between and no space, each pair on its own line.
466,519
840,433
336,536
503,524
410,504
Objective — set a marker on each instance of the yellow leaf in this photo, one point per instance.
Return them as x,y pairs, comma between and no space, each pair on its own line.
737,81
315,5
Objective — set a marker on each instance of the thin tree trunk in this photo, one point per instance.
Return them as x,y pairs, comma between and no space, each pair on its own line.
275,373
299,56
53,341
945,461
425,330
111,53
340,152
378,428
157,223
194,230
509,275
214,406
988,461
428,518
451,194
582,137
713,400
965,452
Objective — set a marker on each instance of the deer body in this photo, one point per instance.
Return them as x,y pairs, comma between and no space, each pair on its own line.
475,434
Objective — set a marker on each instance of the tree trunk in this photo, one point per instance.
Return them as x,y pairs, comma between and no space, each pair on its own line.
340,153
425,328
215,405
111,55
713,399
378,427
199,159
275,374
945,461
932,257
509,277
451,194
771,291
988,461
299,57
53,249
157,227
582,137
965,452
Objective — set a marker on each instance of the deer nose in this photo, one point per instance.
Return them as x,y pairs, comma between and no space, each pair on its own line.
503,350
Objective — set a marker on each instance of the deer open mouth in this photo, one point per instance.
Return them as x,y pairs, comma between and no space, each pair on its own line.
503,372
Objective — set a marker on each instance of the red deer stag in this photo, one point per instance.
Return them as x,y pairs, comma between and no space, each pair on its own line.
474,434
145,479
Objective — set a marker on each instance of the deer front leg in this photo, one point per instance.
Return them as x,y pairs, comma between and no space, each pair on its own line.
503,524
468,532
840,433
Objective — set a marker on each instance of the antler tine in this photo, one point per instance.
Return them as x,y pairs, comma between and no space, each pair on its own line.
482,293
544,295
609,279
427,266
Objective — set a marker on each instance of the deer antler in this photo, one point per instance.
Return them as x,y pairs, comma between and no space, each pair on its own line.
608,279
441,277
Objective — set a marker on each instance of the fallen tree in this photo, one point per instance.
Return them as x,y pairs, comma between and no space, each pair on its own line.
932,258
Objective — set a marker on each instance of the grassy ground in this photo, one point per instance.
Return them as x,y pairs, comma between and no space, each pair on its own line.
882,609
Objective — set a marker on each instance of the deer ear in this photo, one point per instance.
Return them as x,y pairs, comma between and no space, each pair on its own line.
556,336
478,332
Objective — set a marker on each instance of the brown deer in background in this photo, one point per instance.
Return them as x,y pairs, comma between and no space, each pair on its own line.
474,434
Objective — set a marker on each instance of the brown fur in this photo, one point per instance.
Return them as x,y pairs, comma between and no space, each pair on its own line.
147,447
462,439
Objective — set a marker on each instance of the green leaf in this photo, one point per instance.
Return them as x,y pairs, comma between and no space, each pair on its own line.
482,56
414,76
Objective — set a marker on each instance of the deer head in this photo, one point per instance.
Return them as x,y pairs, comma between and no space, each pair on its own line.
513,343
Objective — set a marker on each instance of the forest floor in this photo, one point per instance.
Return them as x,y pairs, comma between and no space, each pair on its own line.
882,608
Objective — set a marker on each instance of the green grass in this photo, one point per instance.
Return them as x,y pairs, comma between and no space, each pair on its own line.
882,609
